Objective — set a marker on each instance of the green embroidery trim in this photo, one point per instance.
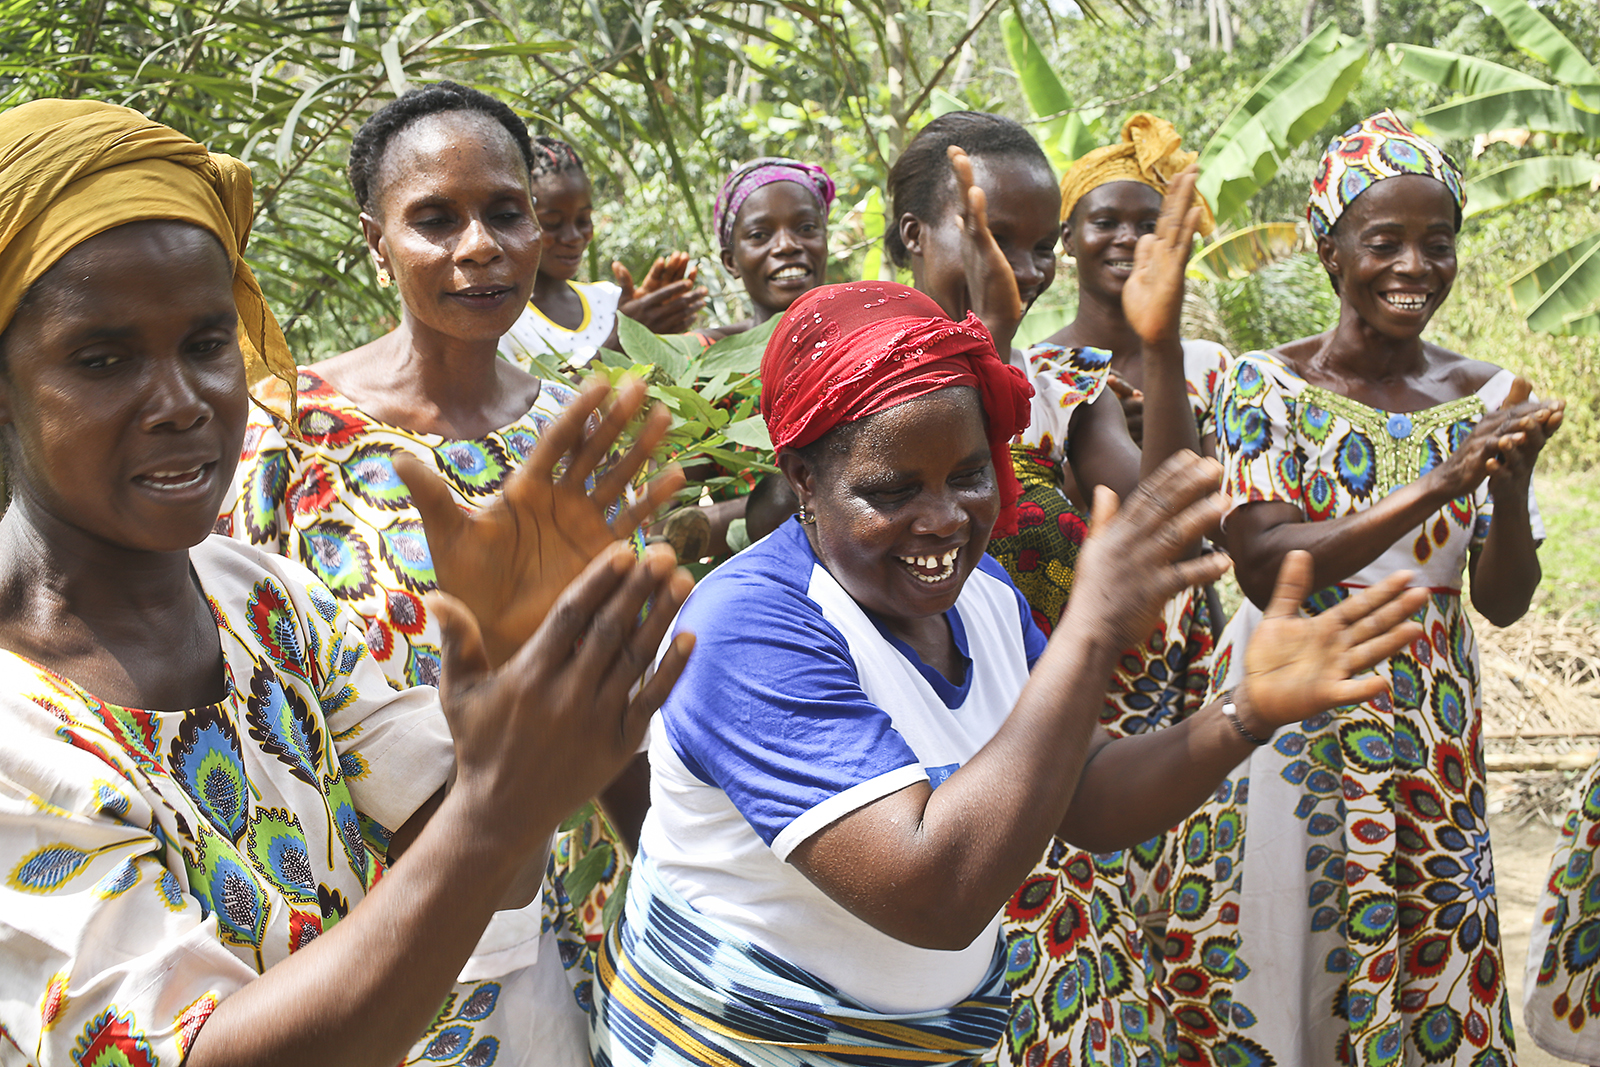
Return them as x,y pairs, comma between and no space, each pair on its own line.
1399,459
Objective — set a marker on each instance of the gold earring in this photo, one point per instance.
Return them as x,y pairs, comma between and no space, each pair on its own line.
384,281
805,516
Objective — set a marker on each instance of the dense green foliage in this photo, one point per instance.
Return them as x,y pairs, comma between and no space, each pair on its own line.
661,96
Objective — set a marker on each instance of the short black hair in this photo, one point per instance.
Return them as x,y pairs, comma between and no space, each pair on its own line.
551,156
921,182
375,135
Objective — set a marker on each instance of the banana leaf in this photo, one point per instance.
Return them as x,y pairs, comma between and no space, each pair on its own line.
1572,296
1536,35
1527,287
1243,252
1289,105
1547,110
1064,137
1526,178
1452,70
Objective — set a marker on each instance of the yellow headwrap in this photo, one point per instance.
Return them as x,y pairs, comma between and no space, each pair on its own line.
1148,153
71,169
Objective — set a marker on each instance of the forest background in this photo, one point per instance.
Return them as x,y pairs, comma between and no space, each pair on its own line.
661,97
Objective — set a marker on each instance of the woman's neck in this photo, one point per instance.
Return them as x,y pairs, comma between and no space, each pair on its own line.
1355,352
129,625
426,382
1100,323
548,286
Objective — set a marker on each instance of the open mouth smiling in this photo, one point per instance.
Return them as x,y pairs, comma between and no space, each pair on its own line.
931,569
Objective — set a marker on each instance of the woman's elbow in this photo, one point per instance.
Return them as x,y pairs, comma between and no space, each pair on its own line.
944,929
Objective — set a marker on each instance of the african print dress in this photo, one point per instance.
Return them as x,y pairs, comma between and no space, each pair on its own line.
152,863
1086,981
1561,996
1335,900
333,502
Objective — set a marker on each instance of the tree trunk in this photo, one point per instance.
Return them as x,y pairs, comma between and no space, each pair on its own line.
963,72
895,73
1225,23
1308,19
1369,19
1211,22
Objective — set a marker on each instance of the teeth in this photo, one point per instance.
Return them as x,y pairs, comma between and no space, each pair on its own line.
789,272
1406,301
946,564
1127,263
174,479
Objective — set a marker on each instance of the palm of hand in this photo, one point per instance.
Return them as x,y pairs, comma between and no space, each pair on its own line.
1293,661
509,562
1154,290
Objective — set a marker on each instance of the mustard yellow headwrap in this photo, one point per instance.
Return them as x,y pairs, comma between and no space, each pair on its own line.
71,169
1148,153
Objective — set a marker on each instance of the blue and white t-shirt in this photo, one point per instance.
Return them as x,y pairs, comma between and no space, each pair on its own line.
796,709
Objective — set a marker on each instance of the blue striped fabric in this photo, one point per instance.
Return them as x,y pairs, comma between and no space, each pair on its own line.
676,989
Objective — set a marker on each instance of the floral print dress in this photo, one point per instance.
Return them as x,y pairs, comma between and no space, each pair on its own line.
332,501
1561,997
1086,980
1335,900
154,862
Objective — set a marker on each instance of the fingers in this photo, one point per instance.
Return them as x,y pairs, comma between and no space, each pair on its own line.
575,609
1203,569
1521,390
1180,216
597,444
442,518
635,654
607,641
1292,587
622,473
1119,385
654,692
655,494
561,437
1103,508
1368,654
962,165
624,279
464,658
1179,486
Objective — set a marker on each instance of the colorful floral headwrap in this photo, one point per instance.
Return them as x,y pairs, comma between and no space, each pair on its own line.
844,352
1373,149
1148,153
751,176
73,169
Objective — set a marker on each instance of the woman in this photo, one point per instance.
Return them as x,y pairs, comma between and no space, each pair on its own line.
1077,426
574,320
804,894
771,219
192,884
441,176
1560,997
1363,927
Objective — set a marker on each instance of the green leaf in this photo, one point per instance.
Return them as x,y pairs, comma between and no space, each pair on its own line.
942,103
1290,104
1571,296
642,346
1527,178
1527,287
612,911
1545,109
1536,35
1243,252
586,872
751,432
1067,134
738,353
1465,74
578,818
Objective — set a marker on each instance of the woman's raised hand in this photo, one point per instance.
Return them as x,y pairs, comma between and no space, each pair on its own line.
1297,666
1503,446
1133,561
1152,297
554,725
510,561
667,300
992,292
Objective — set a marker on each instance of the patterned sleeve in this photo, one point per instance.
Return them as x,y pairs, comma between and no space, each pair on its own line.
104,957
1064,379
1261,457
255,510
1205,367
1494,394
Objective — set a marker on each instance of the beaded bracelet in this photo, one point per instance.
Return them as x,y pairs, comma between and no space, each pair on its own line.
1231,712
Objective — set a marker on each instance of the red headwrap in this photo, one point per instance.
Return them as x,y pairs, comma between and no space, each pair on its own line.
843,352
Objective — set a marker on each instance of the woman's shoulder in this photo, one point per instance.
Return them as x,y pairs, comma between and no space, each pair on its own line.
1465,375
767,585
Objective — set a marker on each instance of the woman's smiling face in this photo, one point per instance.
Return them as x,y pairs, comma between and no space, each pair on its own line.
123,394
566,216
904,514
780,245
452,221
1393,253
1104,230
